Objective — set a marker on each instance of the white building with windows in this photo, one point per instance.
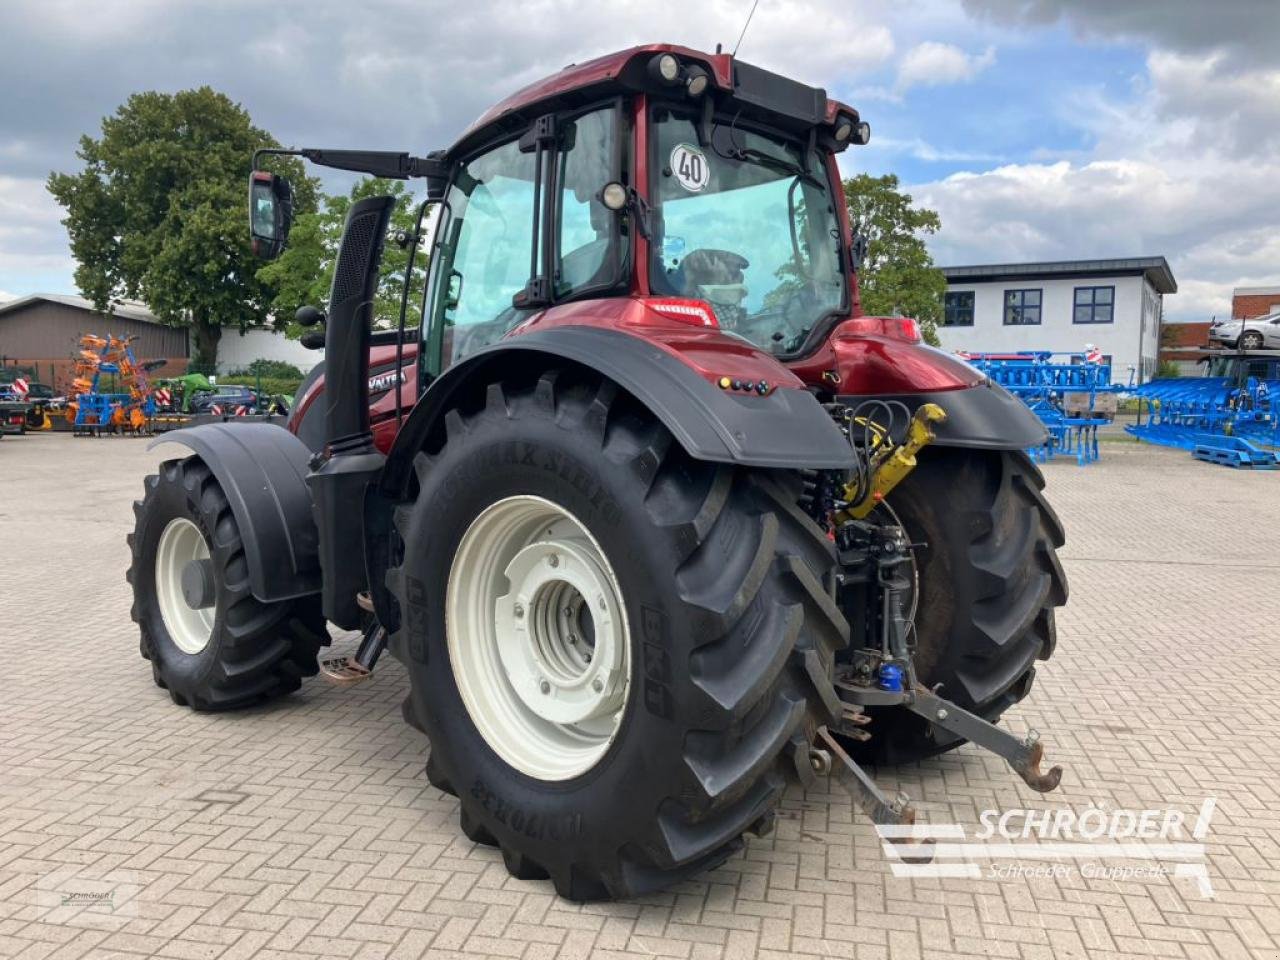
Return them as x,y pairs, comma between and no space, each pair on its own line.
1116,305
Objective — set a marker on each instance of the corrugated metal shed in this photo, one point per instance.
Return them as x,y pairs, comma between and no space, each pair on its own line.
48,327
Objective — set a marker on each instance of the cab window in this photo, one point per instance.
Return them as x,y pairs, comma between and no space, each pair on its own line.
492,244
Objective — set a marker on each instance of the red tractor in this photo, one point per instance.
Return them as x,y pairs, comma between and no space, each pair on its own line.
653,516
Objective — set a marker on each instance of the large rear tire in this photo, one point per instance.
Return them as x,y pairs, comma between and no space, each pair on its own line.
988,582
720,594
235,651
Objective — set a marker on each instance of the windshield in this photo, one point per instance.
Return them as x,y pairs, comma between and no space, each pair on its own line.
748,224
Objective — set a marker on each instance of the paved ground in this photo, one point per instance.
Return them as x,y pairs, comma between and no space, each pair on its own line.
131,827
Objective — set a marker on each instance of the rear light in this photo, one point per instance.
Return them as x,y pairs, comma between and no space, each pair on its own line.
697,313
897,328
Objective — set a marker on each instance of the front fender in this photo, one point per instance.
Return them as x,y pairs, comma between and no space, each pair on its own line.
786,429
262,469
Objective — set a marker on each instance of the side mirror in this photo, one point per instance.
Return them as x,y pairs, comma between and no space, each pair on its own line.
270,213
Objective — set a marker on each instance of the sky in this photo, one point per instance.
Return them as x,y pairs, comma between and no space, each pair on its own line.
1038,129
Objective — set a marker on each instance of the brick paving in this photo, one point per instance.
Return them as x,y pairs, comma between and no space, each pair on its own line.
130,827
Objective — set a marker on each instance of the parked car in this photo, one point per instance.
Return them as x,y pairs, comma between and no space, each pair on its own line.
1254,334
227,397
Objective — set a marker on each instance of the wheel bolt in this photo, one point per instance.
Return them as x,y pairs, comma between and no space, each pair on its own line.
553,560
519,610
544,686
597,685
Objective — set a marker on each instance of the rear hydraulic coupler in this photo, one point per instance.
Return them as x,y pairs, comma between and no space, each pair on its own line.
891,463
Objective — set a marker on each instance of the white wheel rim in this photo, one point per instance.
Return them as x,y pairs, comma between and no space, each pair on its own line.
181,542
538,637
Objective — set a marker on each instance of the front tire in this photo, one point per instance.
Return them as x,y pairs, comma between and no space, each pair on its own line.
988,580
230,650
721,604
1251,341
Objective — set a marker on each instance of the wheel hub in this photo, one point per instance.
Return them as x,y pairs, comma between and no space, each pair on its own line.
538,637
558,671
182,555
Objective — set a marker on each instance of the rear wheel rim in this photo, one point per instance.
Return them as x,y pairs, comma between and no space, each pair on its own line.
538,637
181,542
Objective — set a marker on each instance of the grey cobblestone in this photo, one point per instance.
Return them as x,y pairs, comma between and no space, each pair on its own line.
306,828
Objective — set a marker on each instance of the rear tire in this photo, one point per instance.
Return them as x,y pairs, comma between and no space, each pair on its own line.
724,588
237,652
989,580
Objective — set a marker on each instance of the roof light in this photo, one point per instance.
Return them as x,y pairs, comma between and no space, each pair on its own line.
696,81
697,313
665,68
844,129
862,135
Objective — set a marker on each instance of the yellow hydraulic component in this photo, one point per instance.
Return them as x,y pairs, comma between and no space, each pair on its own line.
890,464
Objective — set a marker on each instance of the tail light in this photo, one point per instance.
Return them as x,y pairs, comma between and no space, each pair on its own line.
896,328
696,313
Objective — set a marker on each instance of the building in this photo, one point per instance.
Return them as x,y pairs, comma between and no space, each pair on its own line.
1116,305
42,332
237,350
1249,302
1178,341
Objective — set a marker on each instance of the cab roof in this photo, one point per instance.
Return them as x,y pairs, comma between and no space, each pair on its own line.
794,104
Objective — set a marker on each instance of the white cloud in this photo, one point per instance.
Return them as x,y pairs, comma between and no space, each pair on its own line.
933,64
1247,27
1185,169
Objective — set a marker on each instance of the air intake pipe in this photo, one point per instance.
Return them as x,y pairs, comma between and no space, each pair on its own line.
349,461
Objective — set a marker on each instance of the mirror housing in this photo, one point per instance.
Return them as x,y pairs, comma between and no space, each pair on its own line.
270,213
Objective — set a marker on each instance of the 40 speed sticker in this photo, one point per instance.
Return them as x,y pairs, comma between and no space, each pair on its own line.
690,168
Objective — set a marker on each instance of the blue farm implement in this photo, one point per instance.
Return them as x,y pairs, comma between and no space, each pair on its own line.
131,406
1071,393
1228,418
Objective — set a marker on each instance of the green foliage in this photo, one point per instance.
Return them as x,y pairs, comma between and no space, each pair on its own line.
897,277
1168,368
268,368
303,273
159,212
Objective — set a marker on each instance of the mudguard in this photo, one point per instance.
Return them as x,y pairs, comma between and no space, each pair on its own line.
788,428
985,417
262,469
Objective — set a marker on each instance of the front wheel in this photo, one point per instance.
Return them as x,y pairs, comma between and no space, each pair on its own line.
613,648
1251,341
987,583
211,643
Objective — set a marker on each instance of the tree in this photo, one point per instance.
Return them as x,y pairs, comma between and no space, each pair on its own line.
303,273
159,213
897,276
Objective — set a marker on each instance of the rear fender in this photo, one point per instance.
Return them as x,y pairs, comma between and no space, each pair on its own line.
787,429
262,469
985,417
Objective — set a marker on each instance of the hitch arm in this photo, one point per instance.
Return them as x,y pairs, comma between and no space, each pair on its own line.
1023,756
